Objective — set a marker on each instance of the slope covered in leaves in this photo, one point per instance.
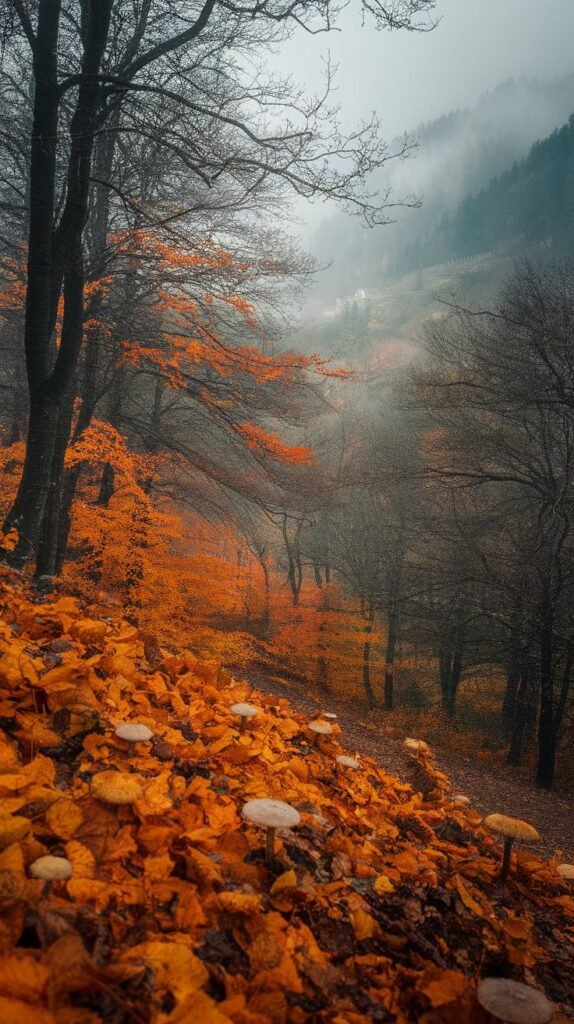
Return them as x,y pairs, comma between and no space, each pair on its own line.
383,905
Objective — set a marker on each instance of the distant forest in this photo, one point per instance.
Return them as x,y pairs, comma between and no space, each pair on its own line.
531,204
484,183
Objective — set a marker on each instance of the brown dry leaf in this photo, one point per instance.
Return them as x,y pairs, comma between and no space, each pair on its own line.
445,987
64,817
238,902
176,969
465,891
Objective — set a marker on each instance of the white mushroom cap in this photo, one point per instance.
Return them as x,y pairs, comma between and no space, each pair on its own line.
244,710
51,869
416,746
347,762
330,715
513,1002
566,871
133,732
461,800
318,726
271,813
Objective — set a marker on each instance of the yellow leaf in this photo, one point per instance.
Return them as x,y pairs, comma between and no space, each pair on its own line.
288,880
365,926
382,884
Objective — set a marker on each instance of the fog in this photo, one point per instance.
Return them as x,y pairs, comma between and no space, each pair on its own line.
410,78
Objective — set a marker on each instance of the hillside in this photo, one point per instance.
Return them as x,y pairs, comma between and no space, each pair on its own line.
458,156
383,904
529,207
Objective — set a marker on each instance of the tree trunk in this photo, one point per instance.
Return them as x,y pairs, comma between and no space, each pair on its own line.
294,565
266,598
451,656
99,223
72,332
42,291
48,546
367,661
546,732
107,486
27,512
513,670
520,718
511,694
52,253
392,628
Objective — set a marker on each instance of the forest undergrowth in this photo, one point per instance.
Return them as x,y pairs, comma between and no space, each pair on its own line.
382,904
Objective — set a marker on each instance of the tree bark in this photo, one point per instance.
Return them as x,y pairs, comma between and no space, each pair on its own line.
392,629
520,717
546,732
513,671
27,511
367,660
53,253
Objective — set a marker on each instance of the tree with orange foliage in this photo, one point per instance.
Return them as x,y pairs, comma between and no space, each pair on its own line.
108,88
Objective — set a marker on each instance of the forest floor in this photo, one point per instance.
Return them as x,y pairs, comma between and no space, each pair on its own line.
490,789
384,904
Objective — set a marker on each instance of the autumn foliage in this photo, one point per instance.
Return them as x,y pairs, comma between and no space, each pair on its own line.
382,905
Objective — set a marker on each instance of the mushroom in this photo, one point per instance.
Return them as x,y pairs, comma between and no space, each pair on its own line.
513,1002
347,762
245,712
510,829
566,871
319,728
461,800
416,746
51,869
116,787
330,715
133,732
272,814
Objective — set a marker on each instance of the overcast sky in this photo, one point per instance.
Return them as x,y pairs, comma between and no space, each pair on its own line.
411,77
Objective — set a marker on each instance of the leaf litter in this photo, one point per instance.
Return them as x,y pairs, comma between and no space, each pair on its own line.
382,905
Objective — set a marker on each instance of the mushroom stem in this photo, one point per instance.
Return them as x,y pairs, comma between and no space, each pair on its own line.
270,845
505,867
242,724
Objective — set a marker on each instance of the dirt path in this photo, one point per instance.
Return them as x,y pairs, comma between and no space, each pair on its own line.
501,789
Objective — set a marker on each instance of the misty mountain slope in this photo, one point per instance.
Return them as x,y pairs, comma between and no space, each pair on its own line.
531,204
458,155
372,302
